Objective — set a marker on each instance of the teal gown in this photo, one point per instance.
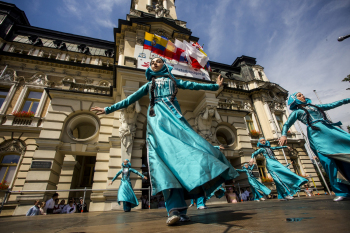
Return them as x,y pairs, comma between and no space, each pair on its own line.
181,163
287,183
125,192
258,189
330,144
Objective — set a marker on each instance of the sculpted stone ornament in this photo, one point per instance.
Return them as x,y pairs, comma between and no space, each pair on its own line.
204,122
127,127
38,79
247,106
13,145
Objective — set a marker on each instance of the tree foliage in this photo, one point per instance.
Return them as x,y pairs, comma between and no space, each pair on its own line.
347,79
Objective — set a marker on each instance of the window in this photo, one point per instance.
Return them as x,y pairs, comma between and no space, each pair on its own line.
225,136
31,103
8,167
260,75
296,165
279,121
3,94
261,168
250,123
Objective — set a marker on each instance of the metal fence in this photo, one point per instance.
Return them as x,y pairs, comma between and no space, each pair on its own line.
8,192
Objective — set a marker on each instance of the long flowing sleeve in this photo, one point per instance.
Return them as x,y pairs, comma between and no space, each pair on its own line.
251,167
116,176
196,86
257,152
129,100
217,147
336,104
278,147
136,172
293,117
240,170
287,166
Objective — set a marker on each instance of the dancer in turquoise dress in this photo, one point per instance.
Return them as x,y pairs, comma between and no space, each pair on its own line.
182,164
258,189
287,183
125,192
329,143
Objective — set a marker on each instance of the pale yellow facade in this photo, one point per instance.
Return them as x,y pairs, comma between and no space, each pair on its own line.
72,139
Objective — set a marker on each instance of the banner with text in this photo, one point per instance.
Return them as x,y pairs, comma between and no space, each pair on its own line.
179,69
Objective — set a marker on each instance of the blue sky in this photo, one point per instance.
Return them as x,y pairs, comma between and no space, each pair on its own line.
295,41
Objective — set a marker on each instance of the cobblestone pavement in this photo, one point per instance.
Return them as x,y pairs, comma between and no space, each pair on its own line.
316,214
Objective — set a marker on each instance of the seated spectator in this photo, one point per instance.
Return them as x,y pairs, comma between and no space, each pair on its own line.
42,208
50,203
161,203
308,192
243,196
56,207
35,209
70,208
62,205
231,196
251,197
154,203
82,207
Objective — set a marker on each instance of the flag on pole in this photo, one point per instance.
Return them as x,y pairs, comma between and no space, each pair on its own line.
148,41
170,50
159,46
195,57
180,54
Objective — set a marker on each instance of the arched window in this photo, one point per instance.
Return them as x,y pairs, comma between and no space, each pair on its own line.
8,167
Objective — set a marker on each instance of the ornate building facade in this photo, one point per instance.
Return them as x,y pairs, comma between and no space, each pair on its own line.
55,77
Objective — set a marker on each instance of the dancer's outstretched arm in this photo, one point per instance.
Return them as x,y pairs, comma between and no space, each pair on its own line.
293,117
116,176
278,147
200,86
137,173
335,104
259,151
124,103
251,167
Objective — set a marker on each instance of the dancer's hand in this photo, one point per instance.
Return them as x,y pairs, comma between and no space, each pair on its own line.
288,148
110,183
145,177
283,140
98,110
220,81
315,157
222,147
251,161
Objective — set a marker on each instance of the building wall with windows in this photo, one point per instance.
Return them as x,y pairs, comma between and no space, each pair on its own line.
58,144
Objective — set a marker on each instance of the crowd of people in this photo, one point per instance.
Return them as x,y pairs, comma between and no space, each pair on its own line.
57,206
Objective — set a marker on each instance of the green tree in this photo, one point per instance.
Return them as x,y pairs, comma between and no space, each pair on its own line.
347,79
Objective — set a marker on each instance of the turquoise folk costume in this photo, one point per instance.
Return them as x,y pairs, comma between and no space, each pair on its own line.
258,189
287,183
125,192
182,164
329,143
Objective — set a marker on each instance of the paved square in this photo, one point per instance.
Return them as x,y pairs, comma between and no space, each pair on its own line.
316,214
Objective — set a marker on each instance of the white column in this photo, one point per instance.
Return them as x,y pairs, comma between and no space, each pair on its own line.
165,4
149,2
270,119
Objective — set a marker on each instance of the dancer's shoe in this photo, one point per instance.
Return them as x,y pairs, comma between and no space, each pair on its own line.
263,199
283,199
173,218
339,198
257,200
202,207
190,205
184,218
289,197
